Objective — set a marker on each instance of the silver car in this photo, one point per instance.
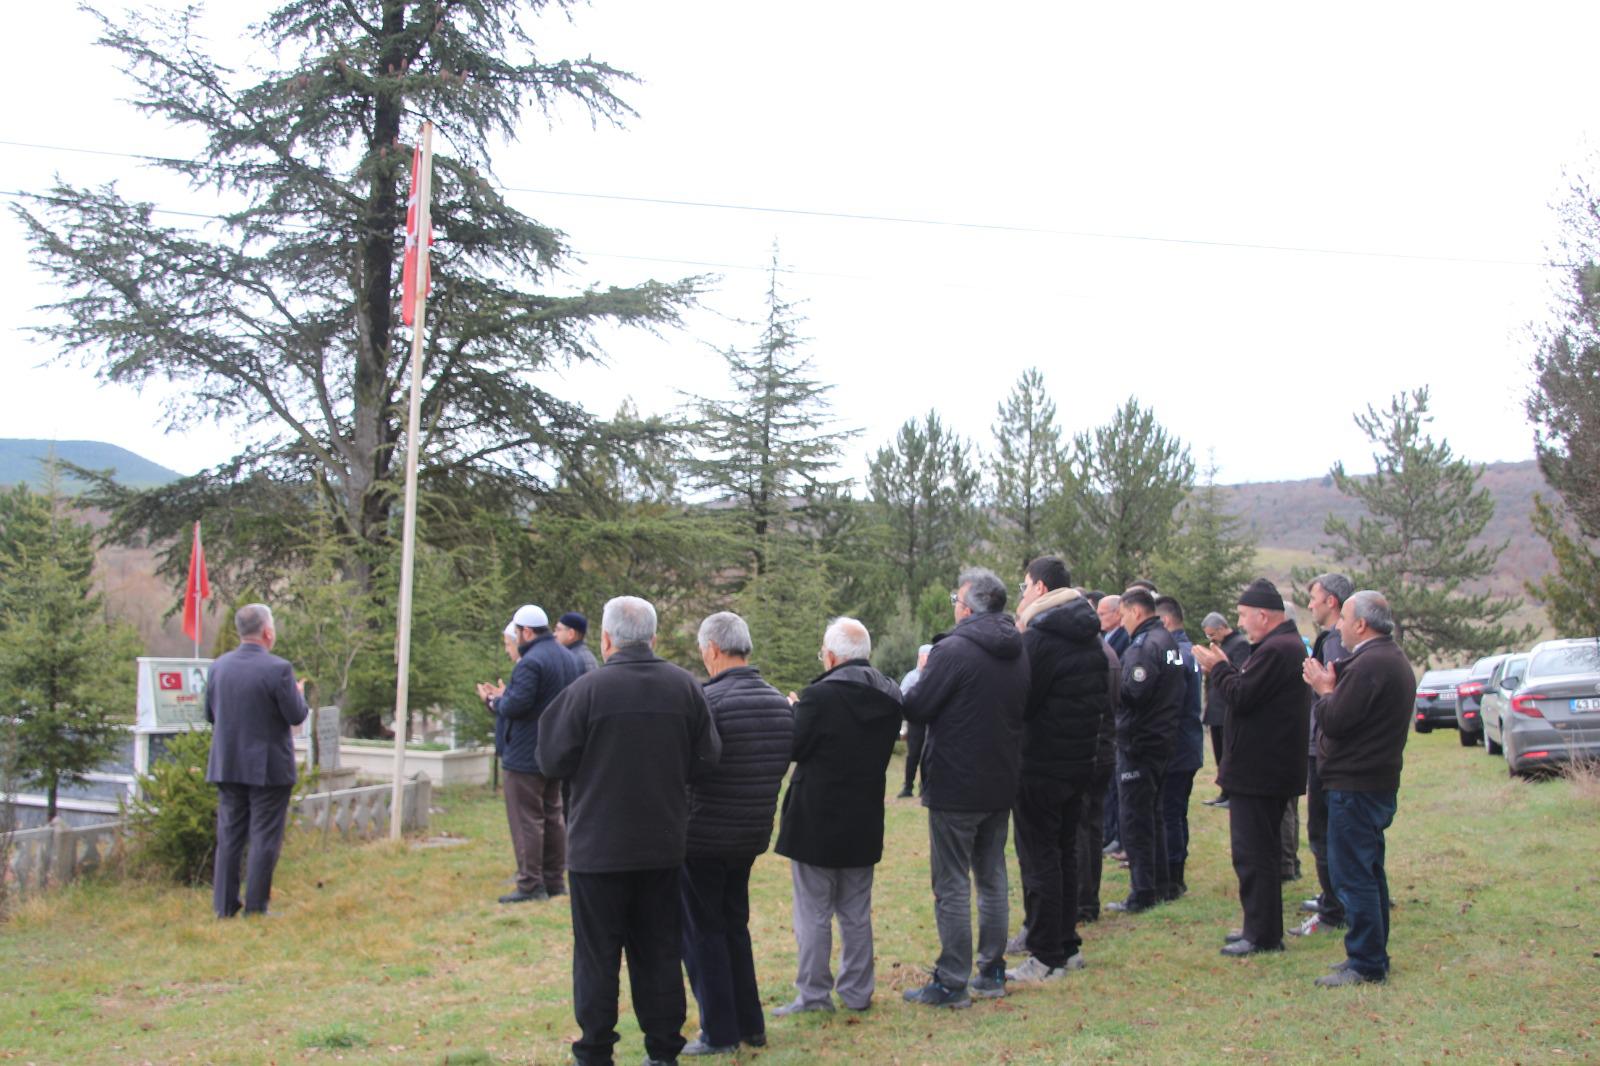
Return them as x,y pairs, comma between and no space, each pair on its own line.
1496,704
1553,717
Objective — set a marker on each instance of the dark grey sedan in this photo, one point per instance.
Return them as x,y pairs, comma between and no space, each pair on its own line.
1436,698
1469,700
1553,717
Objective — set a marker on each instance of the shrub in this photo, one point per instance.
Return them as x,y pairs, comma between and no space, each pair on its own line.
174,820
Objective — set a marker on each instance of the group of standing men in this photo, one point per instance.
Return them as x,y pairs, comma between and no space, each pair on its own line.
672,786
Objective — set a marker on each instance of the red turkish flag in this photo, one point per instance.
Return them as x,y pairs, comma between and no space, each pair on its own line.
199,588
170,682
408,270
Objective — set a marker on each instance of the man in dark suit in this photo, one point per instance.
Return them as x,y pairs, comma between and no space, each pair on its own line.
252,701
630,736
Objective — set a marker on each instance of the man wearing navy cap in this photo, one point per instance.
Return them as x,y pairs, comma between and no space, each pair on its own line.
570,630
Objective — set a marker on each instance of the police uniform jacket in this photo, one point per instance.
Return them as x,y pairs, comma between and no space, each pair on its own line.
1151,696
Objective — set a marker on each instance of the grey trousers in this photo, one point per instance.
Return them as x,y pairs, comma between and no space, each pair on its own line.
538,830
253,815
820,894
963,843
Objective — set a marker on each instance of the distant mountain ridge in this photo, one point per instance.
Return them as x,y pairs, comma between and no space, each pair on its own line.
22,462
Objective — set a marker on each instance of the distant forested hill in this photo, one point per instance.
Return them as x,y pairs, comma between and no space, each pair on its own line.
23,461
1286,518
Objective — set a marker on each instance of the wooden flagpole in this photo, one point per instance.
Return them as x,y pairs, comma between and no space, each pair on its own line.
408,551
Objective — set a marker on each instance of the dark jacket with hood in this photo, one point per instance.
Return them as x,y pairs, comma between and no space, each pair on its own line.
1151,697
845,725
971,695
731,808
1269,717
544,669
1189,742
1364,720
1067,694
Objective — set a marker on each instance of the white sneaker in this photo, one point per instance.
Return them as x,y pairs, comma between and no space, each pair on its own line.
1075,962
1034,970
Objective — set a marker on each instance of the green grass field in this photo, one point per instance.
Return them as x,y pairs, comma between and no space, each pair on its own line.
386,954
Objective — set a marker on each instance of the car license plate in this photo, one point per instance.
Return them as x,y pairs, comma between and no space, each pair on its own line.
1591,703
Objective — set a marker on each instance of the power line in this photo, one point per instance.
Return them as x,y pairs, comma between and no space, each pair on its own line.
908,220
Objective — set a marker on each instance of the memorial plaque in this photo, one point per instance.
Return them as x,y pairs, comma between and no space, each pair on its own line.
327,736
171,695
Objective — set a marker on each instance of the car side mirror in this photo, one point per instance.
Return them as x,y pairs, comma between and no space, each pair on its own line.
1510,684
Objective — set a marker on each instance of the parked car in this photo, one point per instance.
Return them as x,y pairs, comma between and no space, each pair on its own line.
1554,715
1469,700
1436,698
1496,703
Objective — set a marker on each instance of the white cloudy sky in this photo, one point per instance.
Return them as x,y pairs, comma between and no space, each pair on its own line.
1257,219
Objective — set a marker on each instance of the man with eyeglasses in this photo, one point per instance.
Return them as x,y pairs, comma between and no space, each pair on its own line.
971,696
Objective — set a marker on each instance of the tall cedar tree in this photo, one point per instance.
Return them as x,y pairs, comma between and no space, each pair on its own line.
1122,484
1026,465
1416,544
766,446
925,487
66,674
1210,558
283,317
1564,406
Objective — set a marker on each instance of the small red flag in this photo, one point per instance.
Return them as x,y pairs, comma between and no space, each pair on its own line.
408,271
199,588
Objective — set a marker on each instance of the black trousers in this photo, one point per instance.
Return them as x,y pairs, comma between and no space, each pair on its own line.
1176,788
1216,748
1048,814
716,948
1091,838
1255,826
916,734
637,912
1317,833
252,815
1144,833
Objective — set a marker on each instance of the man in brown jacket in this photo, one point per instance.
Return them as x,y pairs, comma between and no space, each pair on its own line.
1364,721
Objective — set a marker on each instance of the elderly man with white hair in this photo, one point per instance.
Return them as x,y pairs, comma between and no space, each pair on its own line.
831,830
630,737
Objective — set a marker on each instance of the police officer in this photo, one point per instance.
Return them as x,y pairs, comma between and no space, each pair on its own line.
1152,692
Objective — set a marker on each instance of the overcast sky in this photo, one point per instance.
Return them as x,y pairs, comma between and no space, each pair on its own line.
1257,219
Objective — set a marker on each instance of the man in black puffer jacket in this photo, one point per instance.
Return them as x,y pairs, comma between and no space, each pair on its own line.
1068,695
730,823
845,726
971,696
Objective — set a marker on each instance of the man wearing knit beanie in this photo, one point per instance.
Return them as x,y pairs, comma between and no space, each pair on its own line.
1262,768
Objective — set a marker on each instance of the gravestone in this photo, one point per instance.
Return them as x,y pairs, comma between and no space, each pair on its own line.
327,738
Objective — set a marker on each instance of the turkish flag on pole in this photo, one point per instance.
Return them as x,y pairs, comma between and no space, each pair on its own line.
408,272
199,589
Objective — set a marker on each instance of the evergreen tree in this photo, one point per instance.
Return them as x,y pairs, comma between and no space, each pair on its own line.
1570,594
66,671
1026,468
1122,485
1417,544
926,489
282,316
767,445
1211,556
787,609
1564,406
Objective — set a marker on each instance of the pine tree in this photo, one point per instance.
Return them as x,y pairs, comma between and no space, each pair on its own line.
1418,542
66,672
1026,468
925,487
1564,406
282,316
1122,484
768,445
1211,556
